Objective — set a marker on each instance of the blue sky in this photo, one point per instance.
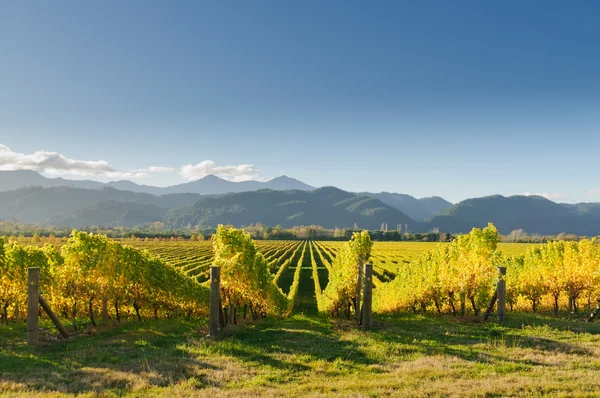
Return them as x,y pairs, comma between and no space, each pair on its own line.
458,99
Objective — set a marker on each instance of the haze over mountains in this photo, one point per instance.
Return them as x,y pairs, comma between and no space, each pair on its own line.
28,197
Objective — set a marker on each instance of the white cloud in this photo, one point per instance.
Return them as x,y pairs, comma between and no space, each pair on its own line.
51,162
594,192
550,196
159,169
242,172
55,164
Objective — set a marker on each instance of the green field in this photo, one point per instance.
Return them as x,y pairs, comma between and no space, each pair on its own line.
309,355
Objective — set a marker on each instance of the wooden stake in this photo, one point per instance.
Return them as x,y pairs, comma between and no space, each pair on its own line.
570,306
215,301
367,320
33,309
490,307
501,292
358,291
54,318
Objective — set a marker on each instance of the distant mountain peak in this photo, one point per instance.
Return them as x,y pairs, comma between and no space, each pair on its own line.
282,177
207,185
329,188
210,177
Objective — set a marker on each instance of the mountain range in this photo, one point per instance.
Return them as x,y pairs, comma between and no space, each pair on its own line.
29,197
417,209
209,185
329,207
108,207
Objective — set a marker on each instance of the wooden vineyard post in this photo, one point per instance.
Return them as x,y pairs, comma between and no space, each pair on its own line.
367,320
215,301
33,309
501,293
570,306
358,291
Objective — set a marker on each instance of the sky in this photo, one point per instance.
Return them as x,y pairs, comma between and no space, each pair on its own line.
458,99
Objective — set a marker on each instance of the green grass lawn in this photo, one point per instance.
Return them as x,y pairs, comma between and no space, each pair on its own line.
405,355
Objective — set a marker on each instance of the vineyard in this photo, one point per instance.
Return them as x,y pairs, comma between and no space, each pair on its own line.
87,275
293,303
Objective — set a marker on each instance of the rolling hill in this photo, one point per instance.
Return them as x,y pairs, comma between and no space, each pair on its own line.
109,207
329,207
110,214
38,205
534,214
417,209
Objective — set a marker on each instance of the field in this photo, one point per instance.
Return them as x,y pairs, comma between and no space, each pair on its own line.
308,354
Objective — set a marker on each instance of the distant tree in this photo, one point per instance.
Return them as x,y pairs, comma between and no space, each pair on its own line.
445,237
517,235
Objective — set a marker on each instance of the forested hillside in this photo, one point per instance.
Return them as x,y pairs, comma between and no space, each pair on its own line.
328,207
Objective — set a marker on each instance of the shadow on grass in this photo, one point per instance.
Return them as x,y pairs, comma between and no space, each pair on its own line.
479,342
290,344
134,357
126,358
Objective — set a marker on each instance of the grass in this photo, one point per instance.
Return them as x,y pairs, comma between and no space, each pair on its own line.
310,355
